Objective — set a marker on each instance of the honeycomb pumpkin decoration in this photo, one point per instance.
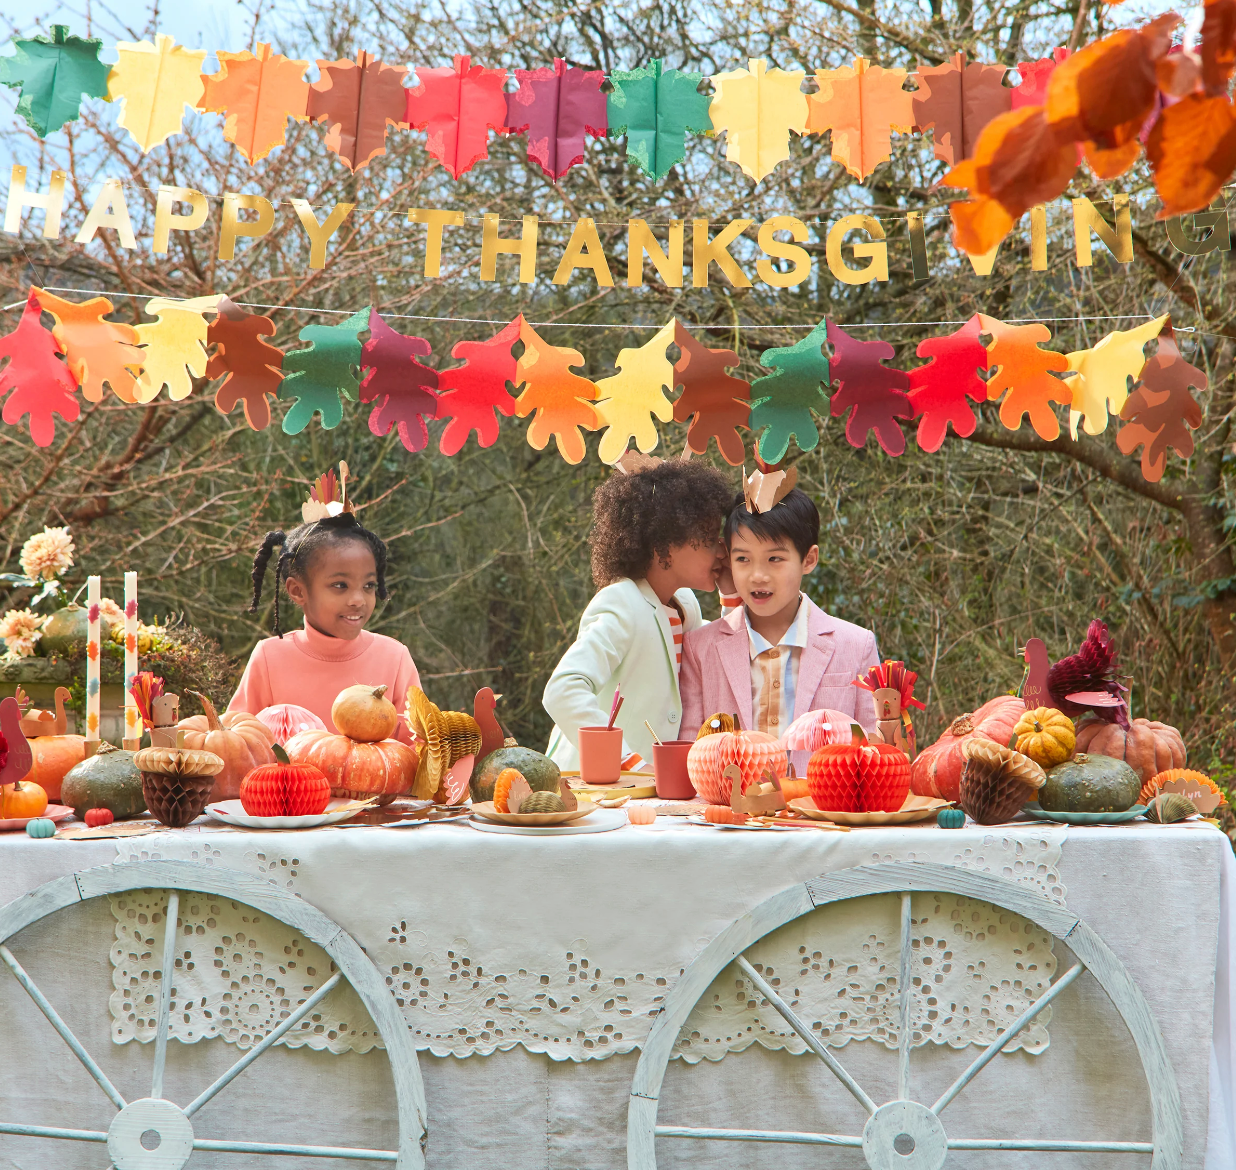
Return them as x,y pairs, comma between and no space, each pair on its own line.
284,789
1046,735
753,752
859,776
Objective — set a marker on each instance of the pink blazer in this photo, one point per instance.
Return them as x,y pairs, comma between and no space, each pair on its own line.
716,672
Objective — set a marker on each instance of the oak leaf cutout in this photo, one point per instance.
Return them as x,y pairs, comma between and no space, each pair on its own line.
1192,152
98,352
250,367
861,104
627,402
155,83
458,106
656,108
562,401
256,93
53,77
783,402
555,107
316,376
758,107
1102,375
1023,373
876,395
402,389
469,395
956,101
36,381
716,402
941,390
175,346
359,101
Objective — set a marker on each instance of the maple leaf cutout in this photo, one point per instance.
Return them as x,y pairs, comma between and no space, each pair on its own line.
251,368
562,400
1103,373
154,84
956,101
470,394
1031,90
861,104
628,401
1023,373
758,107
782,402
53,77
939,390
655,108
874,394
257,93
175,346
1161,410
97,352
36,381
716,402
358,100
315,377
458,106
402,388
556,107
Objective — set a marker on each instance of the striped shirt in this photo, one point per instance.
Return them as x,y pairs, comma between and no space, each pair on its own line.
675,624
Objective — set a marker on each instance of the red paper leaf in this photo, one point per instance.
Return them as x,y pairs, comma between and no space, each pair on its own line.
957,100
1032,89
250,368
873,393
358,100
470,394
458,106
717,403
402,388
40,382
556,108
940,389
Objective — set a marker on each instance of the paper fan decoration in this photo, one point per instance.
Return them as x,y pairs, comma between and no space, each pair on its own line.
327,497
450,737
811,731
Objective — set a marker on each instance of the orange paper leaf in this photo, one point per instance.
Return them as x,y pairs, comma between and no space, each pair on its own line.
957,101
561,399
258,94
861,105
1021,371
1218,47
97,351
1161,410
1192,151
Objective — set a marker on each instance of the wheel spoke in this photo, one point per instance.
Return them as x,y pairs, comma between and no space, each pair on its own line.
1050,1146
165,992
759,1135
273,1037
808,1036
297,1151
1006,1036
50,1131
66,1035
903,987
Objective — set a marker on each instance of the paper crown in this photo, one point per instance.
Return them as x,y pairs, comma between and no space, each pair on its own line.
327,497
634,461
764,490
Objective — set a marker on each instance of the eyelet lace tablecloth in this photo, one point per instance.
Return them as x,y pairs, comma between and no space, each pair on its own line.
568,946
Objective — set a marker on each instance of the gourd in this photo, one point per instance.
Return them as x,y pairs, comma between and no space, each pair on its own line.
41,828
96,818
542,774
753,752
109,779
65,631
356,771
1046,735
937,769
1147,746
22,800
363,713
723,814
951,818
53,756
1089,783
285,789
239,739
859,776
285,720
502,788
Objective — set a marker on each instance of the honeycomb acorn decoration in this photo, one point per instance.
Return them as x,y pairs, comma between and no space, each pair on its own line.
176,782
542,802
997,781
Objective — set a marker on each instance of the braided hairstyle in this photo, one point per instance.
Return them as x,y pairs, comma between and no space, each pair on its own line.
299,546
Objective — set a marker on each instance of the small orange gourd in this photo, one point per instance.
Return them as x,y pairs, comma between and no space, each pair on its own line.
722,814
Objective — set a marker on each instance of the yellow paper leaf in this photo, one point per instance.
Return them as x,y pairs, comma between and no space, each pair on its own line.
155,83
757,107
1101,381
861,105
175,346
627,402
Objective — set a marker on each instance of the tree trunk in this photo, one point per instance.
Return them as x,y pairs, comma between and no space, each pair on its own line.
1212,558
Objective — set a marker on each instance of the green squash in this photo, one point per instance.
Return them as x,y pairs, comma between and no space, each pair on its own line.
66,630
109,779
540,771
1090,784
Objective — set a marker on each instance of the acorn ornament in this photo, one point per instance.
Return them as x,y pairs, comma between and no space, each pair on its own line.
176,782
996,781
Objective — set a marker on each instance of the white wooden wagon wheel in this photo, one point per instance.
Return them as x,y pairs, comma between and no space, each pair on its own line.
130,1143
903,1134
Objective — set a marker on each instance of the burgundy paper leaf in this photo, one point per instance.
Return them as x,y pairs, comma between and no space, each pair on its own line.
402,388
471,393
940,389
556,108
873,393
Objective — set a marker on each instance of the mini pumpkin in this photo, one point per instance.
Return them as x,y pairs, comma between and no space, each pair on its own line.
1046,735
97,817
951,818
22,800
715,724
722,814
41,828
364,713
240,740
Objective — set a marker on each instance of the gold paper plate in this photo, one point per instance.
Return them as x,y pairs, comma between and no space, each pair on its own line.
915,808
486,811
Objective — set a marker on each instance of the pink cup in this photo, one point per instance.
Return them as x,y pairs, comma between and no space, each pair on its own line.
600,755
669,763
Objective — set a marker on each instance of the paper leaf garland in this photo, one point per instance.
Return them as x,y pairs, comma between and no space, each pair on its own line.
861,104
1192,151
716,402
175,344
53,76
940,389
556,108
36,381
1161,410
561,399
257,93
470,394
251,368
628,401
782,402
459,106
400,386
1032,89
956,101
315,377
655,108
358,100
757,107
874,394
97,352
1023,373
154,84
1102,379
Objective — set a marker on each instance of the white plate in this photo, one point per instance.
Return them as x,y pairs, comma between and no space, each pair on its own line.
232,812
601,821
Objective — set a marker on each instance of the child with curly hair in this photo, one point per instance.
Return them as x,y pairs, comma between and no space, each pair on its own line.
654,539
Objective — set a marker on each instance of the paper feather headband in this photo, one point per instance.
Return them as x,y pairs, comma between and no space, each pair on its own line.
327,497
764,490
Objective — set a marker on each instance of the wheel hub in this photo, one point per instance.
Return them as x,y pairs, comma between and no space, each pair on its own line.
902,1135
150,1134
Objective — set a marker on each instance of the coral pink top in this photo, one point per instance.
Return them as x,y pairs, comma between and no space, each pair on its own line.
309,668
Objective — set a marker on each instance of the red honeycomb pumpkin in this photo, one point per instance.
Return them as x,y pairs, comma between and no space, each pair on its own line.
859,777
937,769
753,752
284,789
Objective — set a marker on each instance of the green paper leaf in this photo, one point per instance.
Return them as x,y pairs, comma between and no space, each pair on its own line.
53,76
317,376
655,110
782,402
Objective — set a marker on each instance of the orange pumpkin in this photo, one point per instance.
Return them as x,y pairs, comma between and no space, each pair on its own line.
722,814
937,769
22,800
54,755
242,741
357,770
753,752
1148,746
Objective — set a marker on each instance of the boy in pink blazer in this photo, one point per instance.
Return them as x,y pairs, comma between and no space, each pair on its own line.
774,655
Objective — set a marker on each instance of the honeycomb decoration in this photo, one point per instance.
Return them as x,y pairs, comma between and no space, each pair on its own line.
996,781
448,736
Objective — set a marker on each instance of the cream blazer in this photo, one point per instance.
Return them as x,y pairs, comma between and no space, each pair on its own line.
624,641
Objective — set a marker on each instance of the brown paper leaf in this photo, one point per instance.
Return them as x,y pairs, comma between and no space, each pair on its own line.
957,101
359,100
